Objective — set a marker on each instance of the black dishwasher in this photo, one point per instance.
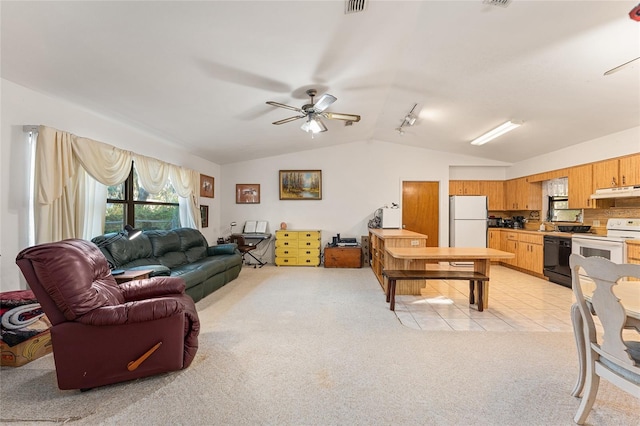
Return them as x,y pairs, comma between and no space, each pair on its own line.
556,260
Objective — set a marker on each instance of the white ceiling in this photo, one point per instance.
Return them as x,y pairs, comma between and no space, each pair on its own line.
199,73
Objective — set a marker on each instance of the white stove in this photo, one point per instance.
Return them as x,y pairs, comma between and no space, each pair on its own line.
610,246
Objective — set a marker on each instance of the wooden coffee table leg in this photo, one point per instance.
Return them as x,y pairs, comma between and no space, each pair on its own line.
480,302
471,295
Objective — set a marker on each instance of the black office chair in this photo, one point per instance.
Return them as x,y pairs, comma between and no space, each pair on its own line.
245,249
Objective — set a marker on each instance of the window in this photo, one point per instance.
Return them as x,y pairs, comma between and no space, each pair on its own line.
129,203
559,210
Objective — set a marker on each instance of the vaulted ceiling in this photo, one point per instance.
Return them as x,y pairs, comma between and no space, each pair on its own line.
198,74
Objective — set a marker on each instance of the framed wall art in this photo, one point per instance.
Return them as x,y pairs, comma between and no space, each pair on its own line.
206,186
247,193
204,216
301,184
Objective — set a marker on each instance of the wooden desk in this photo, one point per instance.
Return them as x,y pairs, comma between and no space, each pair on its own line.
417,258
629,294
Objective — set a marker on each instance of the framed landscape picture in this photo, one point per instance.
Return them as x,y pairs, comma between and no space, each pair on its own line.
301,184
247,193
204,216
206,186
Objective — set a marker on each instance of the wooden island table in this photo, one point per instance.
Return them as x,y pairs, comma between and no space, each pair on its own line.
422,258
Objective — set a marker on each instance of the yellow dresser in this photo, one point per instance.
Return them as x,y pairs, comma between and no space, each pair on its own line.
297,248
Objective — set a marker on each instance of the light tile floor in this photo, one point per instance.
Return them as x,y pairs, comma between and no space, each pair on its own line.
517,302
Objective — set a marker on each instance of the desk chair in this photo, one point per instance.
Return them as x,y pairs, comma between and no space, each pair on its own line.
245,249
608,356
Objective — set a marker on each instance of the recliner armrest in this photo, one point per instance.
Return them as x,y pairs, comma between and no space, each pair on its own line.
151,288
133,312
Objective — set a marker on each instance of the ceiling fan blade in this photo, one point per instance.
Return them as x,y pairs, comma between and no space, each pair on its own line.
619,67
324,102
286,120
279,105
339,116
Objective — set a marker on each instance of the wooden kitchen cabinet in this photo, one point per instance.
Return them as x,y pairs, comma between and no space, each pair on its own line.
633,253
629,172
494,190
581,187
529,253
495,240
379,240
464,187
618,172
605,174
510,244
520,194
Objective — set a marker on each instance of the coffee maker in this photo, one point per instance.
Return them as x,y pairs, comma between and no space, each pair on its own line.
518,222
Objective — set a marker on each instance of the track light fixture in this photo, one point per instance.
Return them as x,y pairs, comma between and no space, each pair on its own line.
408,120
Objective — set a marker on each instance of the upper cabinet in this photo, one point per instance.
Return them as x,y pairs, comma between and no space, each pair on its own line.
630,170
581,187
494,190
618,172
520,194
464,187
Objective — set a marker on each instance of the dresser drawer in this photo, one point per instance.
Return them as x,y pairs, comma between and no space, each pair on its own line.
287,243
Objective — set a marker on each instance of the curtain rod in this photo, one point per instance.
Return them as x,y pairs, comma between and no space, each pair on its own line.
30,128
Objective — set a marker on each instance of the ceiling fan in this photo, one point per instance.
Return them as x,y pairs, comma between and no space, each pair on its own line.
314,111
635,15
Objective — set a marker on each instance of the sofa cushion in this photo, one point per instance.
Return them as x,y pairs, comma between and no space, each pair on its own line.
192,243
122,251
166,248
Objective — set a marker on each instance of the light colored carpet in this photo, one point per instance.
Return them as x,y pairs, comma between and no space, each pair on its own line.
315,346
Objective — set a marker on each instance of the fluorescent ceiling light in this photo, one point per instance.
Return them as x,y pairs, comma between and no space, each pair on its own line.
500,130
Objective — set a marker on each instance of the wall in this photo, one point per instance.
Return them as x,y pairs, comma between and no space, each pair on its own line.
21,106
357,179
614,145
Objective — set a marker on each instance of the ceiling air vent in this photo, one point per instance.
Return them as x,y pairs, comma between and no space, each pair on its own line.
354,6
501,3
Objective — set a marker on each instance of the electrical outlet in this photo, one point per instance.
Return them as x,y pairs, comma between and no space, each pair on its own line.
596,223
415,242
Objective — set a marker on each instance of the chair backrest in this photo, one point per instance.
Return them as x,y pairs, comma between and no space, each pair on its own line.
238,239
69,278
594,279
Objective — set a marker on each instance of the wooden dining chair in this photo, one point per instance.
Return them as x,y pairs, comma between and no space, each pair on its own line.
609,355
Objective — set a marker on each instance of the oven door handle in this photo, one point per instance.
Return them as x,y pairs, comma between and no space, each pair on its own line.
597,243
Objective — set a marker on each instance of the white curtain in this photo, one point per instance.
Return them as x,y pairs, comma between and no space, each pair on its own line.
71,178
187,185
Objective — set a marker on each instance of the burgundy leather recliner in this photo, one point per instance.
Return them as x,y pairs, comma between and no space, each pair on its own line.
102,332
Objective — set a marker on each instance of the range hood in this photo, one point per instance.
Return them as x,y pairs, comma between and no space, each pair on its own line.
621,192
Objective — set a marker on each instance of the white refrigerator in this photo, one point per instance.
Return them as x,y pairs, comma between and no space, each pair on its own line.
467,221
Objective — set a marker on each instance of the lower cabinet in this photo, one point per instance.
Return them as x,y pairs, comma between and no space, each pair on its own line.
530,253
297,248
527,247
633,254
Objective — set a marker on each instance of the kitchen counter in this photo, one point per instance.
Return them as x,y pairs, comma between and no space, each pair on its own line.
535,232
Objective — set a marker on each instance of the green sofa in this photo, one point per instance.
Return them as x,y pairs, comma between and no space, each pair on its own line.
180,252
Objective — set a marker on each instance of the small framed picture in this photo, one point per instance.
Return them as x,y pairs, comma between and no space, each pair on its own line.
300,184
247,193
204,216
206,186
